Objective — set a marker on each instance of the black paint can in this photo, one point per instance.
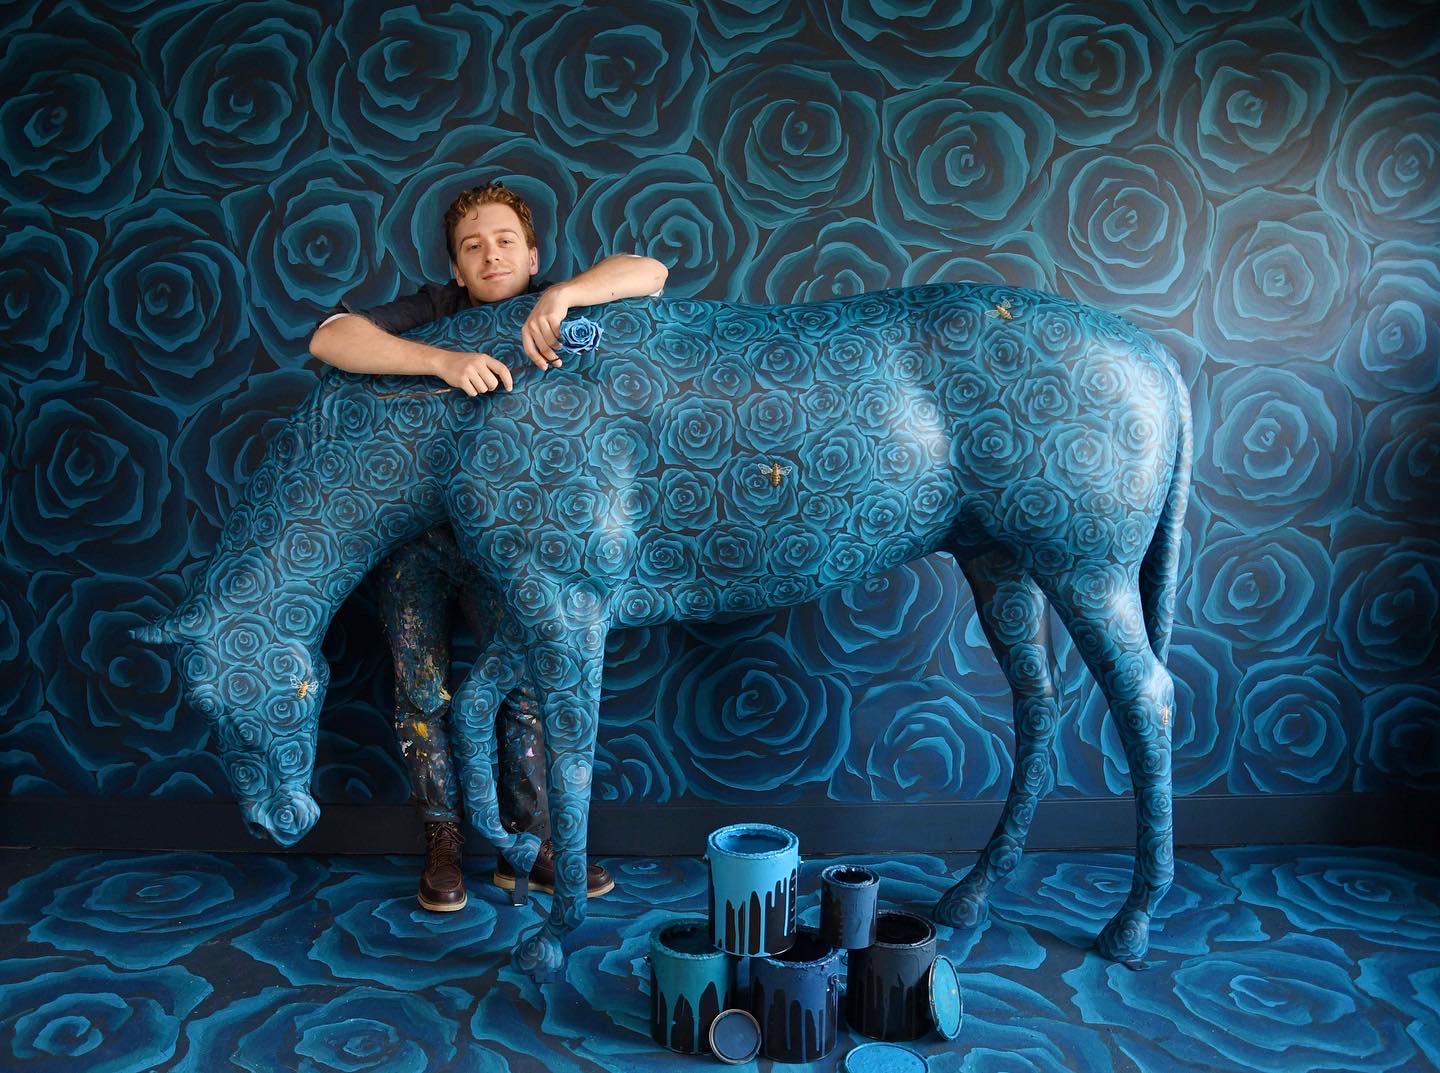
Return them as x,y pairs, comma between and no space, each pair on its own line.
849,898
887,993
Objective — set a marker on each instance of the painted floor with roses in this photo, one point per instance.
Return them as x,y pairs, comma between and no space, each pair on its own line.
1292,959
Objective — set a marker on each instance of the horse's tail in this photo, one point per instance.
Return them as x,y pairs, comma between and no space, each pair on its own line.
1160,570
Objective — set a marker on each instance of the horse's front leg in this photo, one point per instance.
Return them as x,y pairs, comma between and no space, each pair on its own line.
565,667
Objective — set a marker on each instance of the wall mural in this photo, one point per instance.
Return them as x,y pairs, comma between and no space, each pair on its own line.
185,187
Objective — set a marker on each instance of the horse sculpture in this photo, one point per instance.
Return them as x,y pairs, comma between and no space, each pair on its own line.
698,458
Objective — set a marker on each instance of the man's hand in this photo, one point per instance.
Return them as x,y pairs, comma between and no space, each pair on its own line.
540,334
475,374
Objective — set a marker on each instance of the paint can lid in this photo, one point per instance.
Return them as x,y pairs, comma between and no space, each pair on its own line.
946,1003
735,1037
884,1058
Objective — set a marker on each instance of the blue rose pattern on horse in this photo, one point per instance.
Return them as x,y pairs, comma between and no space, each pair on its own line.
1044,444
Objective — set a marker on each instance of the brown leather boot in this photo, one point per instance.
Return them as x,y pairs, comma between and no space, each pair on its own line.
442,884
542,875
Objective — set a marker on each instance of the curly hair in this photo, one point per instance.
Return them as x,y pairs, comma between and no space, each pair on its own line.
491,193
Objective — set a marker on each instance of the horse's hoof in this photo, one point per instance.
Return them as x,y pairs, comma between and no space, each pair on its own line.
965,905
539,956
1126,938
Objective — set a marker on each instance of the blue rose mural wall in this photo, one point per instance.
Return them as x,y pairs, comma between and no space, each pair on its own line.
186,187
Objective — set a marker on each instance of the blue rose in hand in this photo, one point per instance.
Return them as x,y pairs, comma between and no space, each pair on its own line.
59,1013
82,130
965,162
1385,603
236,76
167,308
1297,727
1252,106
1391,346
474,155
1275,445
602,84
1400,745
1095,65
580,334
1129,232
310,239
1271,587
792,133
748,720
141,912
387,80
670,208
912,44
1239,1008
89,479
826,255
43,267
1281,280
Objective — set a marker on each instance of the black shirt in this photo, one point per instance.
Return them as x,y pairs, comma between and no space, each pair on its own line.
430,303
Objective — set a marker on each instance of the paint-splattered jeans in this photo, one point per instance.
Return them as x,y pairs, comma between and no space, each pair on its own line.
419,586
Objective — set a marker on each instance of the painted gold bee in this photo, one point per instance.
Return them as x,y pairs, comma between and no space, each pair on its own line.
302,686
1165,715
776,473
1001,310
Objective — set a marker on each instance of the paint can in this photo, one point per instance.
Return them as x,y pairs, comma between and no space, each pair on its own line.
849,897
754,871
795,995
887,993
690,983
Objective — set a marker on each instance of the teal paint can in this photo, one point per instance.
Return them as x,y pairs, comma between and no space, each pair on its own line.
795,996
754,872
690,983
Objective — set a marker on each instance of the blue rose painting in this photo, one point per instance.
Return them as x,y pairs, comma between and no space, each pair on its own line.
187,188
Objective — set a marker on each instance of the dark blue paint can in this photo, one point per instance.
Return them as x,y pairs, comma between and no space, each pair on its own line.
690,983
849,898
754,871
795,996
887,992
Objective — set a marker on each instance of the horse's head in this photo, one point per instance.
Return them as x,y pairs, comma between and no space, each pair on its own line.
261,694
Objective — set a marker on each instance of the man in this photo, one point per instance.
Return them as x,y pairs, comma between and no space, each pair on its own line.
492,243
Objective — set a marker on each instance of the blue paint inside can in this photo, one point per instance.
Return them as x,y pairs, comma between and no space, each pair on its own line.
884,1058
691,982
754,874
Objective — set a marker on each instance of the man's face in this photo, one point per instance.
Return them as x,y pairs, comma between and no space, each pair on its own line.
492,260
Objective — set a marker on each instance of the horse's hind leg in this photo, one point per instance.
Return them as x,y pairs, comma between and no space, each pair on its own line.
1110,636
1013,615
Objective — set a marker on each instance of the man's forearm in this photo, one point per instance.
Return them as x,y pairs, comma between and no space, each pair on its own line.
622,275
352,343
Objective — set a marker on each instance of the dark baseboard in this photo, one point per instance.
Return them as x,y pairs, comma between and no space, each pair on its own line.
681,830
